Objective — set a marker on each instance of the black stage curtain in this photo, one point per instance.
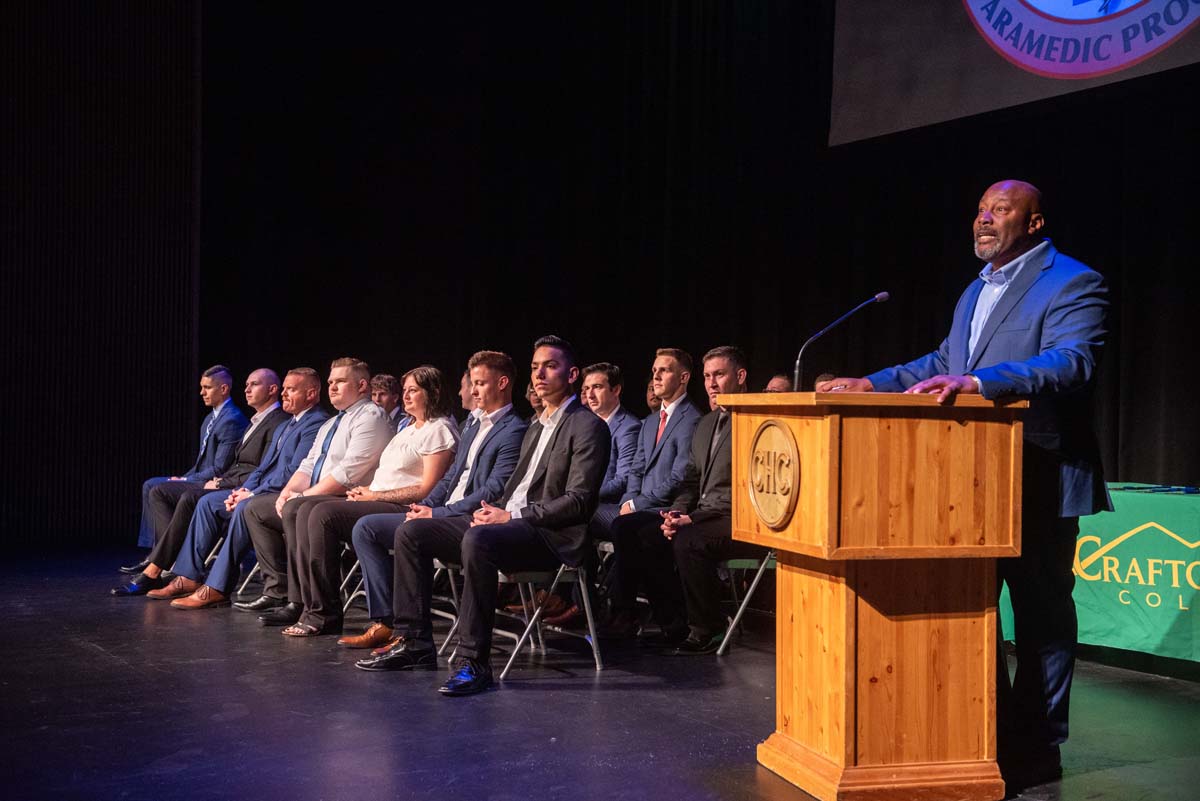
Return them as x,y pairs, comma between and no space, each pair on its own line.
409,185
99,263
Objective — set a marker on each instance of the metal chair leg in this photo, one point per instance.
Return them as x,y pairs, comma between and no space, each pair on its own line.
212,555
767,559
253,571
585,589
537,615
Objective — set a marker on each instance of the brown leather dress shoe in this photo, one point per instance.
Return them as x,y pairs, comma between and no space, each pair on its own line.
179,586
373,637
204,598
572,618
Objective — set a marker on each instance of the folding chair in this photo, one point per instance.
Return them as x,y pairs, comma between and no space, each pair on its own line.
569,574
254,571
212,555
761,565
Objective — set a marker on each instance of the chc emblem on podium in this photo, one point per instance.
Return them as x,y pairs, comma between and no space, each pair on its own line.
774,474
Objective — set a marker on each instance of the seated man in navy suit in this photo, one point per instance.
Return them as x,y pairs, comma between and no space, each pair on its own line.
486,457
220,433
659,465
1032,326
218,512
173,508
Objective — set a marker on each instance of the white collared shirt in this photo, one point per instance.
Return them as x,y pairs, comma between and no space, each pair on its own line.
549,423
258,418
486,421
354,450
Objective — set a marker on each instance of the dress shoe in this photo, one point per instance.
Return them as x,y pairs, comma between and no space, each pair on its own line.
139,586
699,645
284,615
260,604
1030,767
671,636
623,626
204,598
179,587
470,678
373,637
571,618
403,655
555,605
133,570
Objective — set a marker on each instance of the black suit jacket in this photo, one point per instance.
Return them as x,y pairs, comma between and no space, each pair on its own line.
707,488
250,453
566,485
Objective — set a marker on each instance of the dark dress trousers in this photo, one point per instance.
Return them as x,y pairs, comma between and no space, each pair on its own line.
375,535
217,448
174,502
552,530
289,445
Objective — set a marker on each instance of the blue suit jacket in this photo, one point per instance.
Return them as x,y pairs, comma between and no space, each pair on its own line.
218,450
1042,340
625,428
288,449
494,463
659,469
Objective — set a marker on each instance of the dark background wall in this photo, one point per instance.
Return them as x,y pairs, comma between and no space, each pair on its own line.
409,186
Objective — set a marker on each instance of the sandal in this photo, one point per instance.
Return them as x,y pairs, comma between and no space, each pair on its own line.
301,630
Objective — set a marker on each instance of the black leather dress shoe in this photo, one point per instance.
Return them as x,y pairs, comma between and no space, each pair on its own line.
140,585
133,570
670,637
698,646
404,655
262,603
284,615
470,678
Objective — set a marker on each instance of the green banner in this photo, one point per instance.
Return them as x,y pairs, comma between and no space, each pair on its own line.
1137,573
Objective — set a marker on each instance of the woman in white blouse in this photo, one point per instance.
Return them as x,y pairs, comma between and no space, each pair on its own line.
409,467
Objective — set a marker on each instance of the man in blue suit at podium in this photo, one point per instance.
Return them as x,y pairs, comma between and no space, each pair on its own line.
220,434
1032,326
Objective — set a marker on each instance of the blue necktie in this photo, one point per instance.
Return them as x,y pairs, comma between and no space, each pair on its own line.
212,421
316,475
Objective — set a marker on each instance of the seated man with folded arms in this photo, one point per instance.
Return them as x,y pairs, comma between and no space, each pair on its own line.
385,393
413,462
220,433
173,510
485,459
539,523
658,468
219,511
697,531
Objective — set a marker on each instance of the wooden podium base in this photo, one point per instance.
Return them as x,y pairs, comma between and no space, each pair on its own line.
949,781
885,679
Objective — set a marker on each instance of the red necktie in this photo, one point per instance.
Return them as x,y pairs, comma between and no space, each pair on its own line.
662,423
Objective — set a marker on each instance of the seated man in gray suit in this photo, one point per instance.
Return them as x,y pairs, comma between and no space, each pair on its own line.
220,433
539,523
173,508
659,464
486,457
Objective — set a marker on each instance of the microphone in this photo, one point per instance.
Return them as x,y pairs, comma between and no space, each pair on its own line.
878,298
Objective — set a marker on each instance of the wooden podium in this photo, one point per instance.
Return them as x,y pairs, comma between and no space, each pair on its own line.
886,512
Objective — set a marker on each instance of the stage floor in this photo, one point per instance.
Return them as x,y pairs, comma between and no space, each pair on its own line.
108,698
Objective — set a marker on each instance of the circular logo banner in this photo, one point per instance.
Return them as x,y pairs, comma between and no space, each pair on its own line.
1081,38
774,474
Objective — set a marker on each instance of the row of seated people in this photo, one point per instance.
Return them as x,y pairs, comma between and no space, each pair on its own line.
498,493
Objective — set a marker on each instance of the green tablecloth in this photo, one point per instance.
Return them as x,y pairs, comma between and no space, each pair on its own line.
1137,574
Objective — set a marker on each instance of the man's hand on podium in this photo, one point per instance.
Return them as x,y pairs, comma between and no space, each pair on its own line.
945,387
845,385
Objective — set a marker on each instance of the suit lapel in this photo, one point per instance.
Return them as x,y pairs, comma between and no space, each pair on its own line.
545,460
961,350
1008,301
528,446
712,452
672,422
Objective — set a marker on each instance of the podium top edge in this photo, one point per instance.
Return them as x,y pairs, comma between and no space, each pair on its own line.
748,400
